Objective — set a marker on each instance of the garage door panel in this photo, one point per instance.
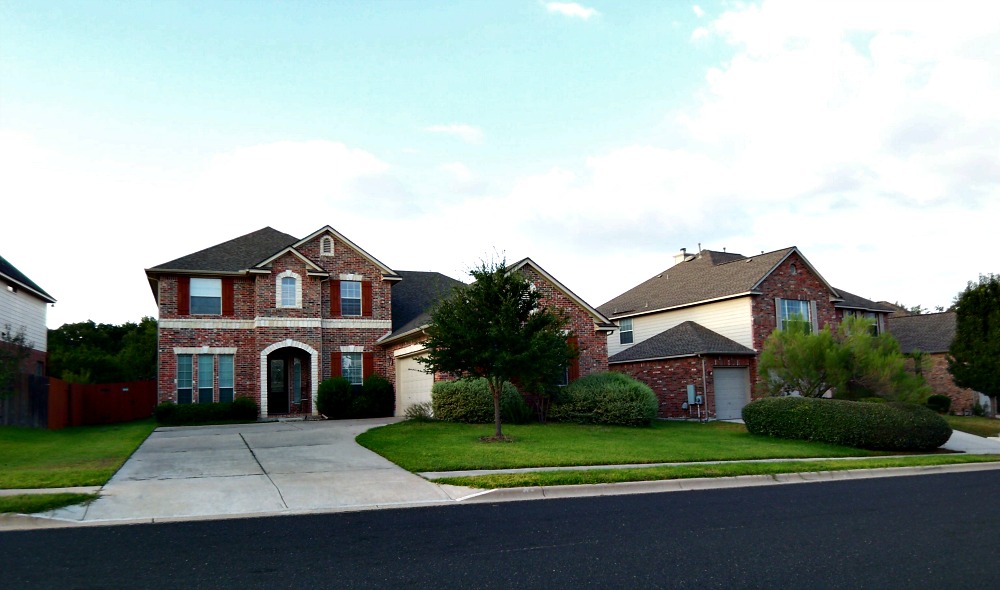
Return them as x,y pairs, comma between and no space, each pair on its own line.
732,391
413,384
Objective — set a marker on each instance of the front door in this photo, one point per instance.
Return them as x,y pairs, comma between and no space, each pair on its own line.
277,385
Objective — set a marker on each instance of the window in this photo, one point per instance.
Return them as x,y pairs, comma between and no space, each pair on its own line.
563,379
350,298
288,291
625,331
206,377
183,378
868,315
206,296
296,381
225,378
326,246
351,367
288,288
793,311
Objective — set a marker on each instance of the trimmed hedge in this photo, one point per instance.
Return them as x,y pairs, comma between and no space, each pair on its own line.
939,403
470,401
241,409
333,398
605,398
892,426
337,399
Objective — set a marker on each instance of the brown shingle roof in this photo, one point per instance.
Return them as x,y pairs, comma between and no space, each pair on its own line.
686,339
709,275
852,301
415,296
233,256
931,332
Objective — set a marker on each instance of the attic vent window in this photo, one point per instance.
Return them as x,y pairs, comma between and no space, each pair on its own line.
792,268
326,246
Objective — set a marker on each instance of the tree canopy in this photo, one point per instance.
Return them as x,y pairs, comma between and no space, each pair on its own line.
14,350
974,359
497,329
86,352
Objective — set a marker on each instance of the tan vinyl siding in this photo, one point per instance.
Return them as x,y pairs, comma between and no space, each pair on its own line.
21,309
730,318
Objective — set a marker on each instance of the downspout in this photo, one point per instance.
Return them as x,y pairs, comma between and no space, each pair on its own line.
704,386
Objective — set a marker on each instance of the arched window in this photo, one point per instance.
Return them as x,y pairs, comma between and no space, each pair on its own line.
288,290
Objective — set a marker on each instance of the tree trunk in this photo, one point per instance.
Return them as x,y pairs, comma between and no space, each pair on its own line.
496,390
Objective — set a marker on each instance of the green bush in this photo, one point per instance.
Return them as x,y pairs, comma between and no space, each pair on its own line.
422,412
239,410
893,426
375,400
605,398
333,398
873,400
470,401
939,403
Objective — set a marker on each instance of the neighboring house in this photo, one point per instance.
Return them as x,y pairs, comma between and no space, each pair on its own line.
703,323
932,334
23,305
268,316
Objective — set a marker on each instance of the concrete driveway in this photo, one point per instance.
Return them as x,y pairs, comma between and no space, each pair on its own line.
266,468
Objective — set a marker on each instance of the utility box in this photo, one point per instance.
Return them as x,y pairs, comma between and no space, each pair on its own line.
691,395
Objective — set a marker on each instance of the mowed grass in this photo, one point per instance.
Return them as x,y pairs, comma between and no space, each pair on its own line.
444,446
598,476
79,456
29,503
975,425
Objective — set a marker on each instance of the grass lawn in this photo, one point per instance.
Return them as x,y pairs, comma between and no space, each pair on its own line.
29,503
975,425
594,476
443,446
79,456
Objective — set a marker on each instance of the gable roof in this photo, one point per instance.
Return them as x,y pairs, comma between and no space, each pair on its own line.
931,332
231,257
686,339
387,272
600,319
707,276
413,298
9,273
852,301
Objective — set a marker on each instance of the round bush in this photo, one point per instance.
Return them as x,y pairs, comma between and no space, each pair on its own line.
470,401
244,408
333,398
605,398
893,426
939,403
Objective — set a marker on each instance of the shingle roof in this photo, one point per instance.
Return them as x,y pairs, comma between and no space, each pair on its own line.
932,332
852,301
686,339
709,275
415,296
10,272
233,256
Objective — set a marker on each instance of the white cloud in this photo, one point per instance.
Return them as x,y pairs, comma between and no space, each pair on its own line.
571,9
466,133
698,11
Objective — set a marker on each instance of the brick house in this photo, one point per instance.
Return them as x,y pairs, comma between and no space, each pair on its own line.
703,322
268,316
24,305
932,334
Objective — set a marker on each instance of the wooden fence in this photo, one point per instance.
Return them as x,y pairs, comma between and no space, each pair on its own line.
46,402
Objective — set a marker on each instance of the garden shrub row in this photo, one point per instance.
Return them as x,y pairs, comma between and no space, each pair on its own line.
470,401
241,409
892,426
336,398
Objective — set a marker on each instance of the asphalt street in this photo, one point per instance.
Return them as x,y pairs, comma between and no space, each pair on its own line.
932,531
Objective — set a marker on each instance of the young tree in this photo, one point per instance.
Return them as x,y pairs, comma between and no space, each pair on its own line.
799,360
496,329
974,359
14,350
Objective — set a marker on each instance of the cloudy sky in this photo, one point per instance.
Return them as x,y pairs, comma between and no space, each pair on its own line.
598,138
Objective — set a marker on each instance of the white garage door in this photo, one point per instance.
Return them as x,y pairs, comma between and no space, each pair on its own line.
413,385
732,391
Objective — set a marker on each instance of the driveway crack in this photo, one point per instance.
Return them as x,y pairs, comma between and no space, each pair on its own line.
264,471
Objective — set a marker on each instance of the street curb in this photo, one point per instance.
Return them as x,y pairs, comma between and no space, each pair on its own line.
74,490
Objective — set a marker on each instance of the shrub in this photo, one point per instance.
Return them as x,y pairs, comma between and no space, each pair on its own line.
239,410
165,412
333,398
873,400
422,412
470,400
245,408
978,410
376,399
605,398
939,403
893,426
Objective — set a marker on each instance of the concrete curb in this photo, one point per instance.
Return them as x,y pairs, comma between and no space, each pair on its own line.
76,490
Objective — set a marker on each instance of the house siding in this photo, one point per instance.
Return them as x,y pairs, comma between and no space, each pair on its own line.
730,318
22,309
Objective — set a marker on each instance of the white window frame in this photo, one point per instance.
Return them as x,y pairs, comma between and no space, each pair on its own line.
279,290
347,369
782,312
622,331
343,299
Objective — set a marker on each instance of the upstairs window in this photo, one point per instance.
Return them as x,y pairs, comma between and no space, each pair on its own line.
289,289
206,296
350,298
625,331
794,312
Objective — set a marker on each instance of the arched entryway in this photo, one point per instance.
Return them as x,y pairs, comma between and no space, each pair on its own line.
289,373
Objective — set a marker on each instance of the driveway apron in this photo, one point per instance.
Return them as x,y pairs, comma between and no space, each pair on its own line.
266,468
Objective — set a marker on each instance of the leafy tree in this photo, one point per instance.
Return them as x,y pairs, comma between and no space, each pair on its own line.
86,352
851,362
496,329
974,359
14,350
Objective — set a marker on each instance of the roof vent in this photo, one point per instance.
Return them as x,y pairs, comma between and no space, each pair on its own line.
683,256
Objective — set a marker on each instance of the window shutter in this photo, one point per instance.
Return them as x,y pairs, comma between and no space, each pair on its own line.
227,296
777,313
574,364
334,297
367,364
366,299
815,318
335,365
183,296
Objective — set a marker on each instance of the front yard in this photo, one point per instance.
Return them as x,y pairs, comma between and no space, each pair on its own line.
975,425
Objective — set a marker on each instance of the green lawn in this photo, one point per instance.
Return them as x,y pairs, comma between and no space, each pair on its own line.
29,503
80,456
975,425
443,446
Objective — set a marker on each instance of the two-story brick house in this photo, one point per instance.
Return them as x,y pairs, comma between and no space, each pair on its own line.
703,323
268,316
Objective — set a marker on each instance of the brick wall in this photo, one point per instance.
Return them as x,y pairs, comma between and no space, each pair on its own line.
669,378
802,284
935,372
